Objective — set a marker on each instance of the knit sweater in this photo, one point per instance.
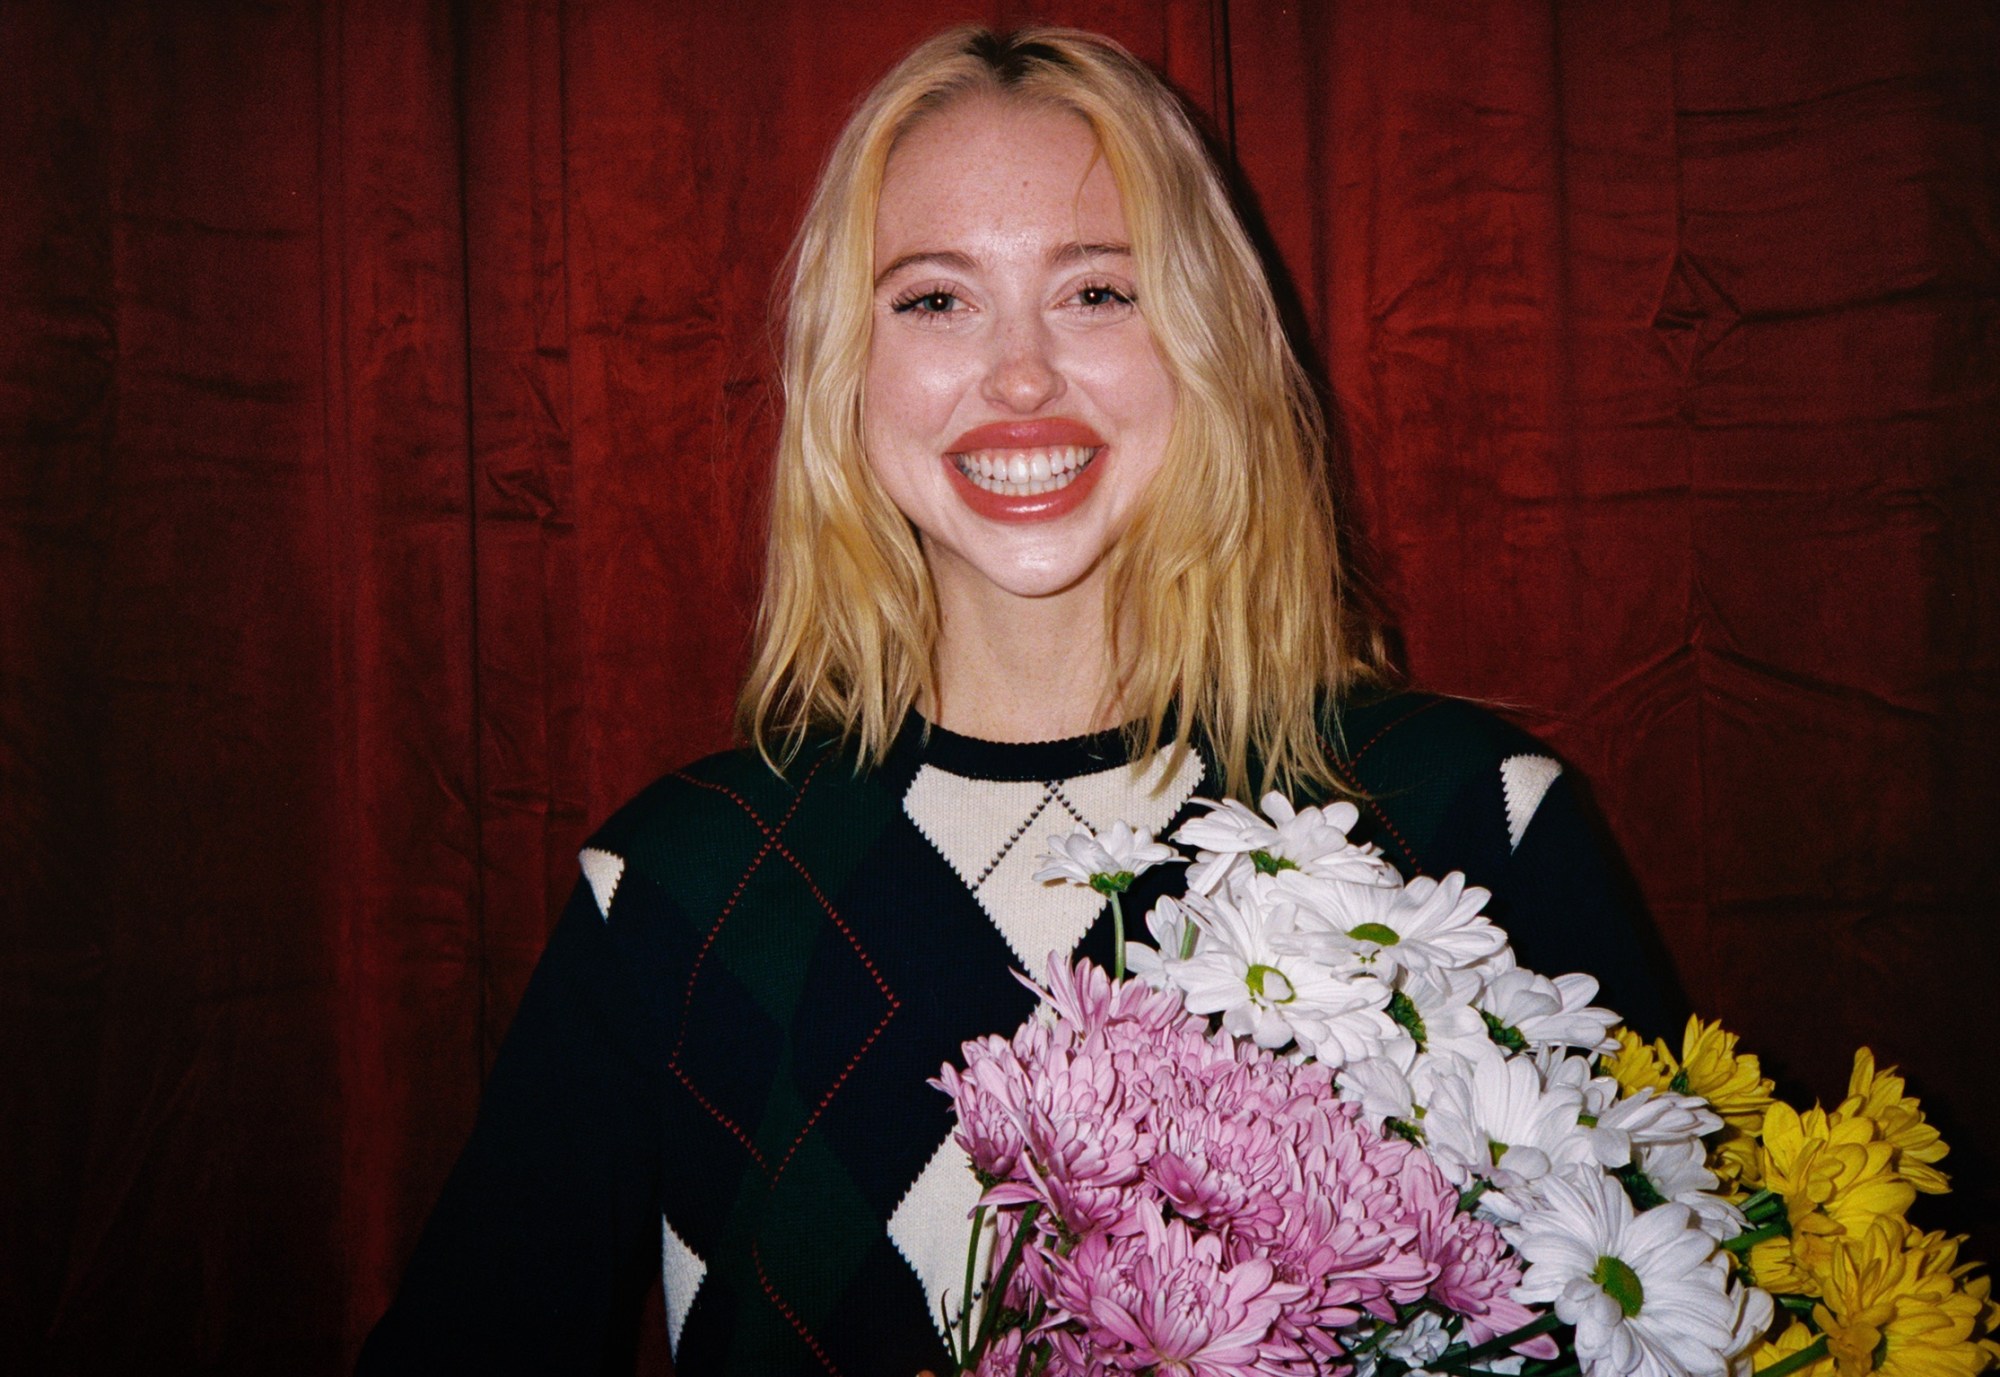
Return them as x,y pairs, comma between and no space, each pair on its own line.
718,1072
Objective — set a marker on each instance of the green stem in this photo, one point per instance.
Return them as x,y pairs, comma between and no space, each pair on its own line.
996,1294
1533,1329
1805,1357
1754,1206
971,1268
1750,1238
1117,938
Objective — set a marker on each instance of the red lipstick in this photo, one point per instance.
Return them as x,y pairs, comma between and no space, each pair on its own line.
1039,434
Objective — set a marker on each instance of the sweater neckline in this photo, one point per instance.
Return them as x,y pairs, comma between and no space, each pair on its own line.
923,742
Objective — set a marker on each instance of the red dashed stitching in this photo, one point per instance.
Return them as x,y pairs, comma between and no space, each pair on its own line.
833,1090
771,843
721,1118
742,881
1376,809
771,1294
840,923
1414,712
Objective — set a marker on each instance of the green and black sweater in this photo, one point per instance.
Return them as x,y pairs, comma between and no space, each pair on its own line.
718,1073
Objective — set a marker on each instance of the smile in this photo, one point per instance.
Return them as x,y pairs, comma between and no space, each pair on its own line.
1025,472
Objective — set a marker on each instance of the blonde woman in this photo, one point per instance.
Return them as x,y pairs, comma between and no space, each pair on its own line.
1051,546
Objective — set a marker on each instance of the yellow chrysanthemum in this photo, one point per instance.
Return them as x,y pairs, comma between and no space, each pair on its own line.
1894,1305
1734,1086
1640,1065
1837,1179
1796,1338
1880,1096
1737,1161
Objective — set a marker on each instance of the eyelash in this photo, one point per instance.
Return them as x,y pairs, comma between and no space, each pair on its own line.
908,303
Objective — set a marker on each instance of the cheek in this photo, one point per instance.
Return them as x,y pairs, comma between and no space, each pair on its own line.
908,391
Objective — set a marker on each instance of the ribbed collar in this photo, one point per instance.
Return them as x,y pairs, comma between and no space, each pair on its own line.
921,742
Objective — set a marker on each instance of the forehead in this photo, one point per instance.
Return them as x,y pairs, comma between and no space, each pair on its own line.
989,174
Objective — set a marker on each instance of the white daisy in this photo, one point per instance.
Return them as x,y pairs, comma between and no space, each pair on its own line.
1174,937
1236,842
1107,863
1275,996
1648,1292
1677,1173
1436,1013
1424,925
1542,1012
1614,1125
1490,1117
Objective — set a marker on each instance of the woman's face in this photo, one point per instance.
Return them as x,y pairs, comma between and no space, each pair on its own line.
1015,406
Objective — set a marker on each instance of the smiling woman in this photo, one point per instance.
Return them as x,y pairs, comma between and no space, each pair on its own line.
1051,546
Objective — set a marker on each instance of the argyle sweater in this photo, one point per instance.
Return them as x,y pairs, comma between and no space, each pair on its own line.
718,1072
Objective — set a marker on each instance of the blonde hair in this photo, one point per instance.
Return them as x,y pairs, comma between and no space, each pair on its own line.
1223,596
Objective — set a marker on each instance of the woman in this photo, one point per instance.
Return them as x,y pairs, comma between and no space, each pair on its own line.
1050,546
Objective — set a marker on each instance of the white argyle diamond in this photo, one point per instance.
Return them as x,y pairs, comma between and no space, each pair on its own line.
993,835
1524,780
603,870
933,1225
681,1272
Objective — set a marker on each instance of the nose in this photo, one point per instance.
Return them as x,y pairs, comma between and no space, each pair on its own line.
1023,374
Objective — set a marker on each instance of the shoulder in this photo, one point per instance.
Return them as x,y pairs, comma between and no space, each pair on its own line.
697,833
1442,776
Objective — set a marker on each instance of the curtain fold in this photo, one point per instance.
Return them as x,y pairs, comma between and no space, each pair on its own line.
386,395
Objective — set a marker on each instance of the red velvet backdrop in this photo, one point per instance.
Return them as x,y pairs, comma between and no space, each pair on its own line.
384,400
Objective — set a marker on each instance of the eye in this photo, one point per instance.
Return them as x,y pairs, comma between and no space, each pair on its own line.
930,303
1100,296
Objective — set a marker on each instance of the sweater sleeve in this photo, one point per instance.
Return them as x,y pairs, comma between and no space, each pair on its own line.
539,1253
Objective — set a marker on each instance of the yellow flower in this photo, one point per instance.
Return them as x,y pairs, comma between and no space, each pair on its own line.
1880,1096
1734,1086
1639,1065
1797,1336
1837,1178
1708,1066
1894,1305
1737,1160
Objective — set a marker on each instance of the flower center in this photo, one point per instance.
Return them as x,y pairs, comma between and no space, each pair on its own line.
1267,864
1380,935
1620,1283
1403,1009
1268,983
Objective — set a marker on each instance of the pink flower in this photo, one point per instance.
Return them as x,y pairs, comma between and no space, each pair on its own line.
1476,1273
988,1097
1167,1298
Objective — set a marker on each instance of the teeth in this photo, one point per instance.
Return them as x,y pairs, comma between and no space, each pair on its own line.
1025,472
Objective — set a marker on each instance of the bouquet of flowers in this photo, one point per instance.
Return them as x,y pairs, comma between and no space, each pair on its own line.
1334,1126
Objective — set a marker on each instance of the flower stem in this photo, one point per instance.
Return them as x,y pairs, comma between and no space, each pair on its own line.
1117,938
1805,1357
1533,1329
971,1265
1750,1238
996,1294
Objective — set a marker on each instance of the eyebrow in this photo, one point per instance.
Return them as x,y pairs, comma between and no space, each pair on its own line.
1062,256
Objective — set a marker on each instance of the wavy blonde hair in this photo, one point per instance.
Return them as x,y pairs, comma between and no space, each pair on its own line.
1223,596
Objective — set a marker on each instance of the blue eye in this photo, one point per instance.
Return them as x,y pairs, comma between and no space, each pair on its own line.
925,304
1099,296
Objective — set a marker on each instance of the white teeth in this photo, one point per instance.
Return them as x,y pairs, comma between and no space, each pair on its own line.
1025,472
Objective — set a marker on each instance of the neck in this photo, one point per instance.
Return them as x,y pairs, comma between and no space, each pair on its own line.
1024,669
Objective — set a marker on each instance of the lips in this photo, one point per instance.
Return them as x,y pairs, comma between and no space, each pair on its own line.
1026,470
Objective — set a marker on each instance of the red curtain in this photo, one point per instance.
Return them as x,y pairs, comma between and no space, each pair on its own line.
385,403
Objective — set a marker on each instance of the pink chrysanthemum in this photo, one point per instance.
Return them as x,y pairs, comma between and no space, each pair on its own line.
1167,1298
